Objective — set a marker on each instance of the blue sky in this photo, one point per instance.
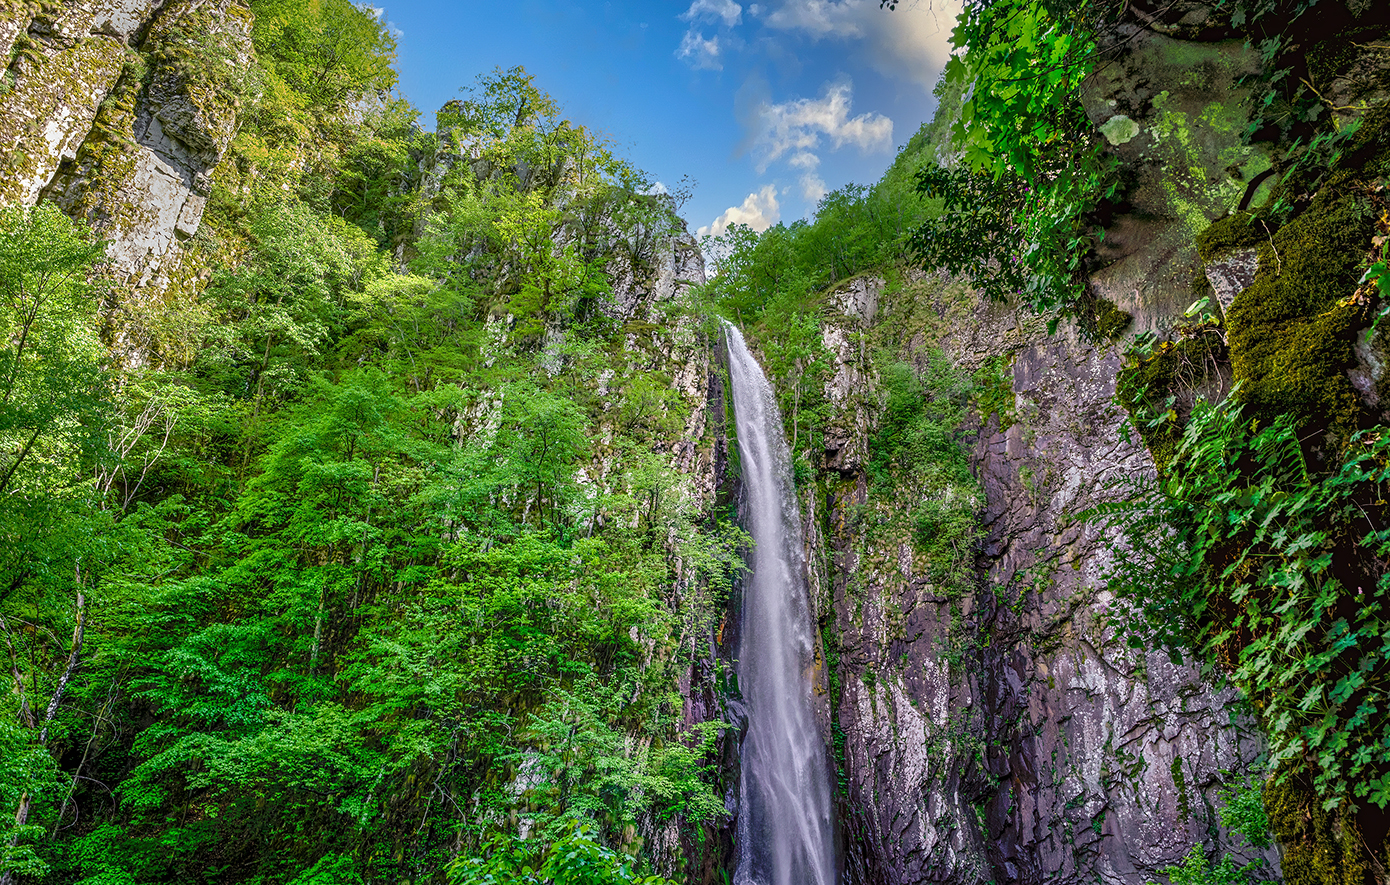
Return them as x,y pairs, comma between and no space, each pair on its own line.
766,105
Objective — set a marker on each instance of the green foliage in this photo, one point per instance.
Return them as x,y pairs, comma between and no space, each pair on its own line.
978,231
1197,870
371,188
1013,213
52,399
1243,811
370,575
994,392
1303,47
25,769
1266,567
786,269
329,51
1263,551
1378,274
1026,59
280,310
576,859
1162,381
914,454
50,374
530,235
776,283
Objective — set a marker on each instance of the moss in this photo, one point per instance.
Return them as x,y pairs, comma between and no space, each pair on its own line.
89,66
1099,320
1238,230
1111,321
994,392
1180,785
1367,153
1202,288
1319,847
1158,389
1204,160
1293,332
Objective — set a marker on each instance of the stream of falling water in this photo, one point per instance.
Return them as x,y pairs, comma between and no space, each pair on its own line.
784,828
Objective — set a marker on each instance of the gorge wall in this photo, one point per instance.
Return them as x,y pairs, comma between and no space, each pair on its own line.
120,112
1007,733
997,729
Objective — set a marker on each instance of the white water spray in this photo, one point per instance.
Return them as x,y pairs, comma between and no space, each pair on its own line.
784,827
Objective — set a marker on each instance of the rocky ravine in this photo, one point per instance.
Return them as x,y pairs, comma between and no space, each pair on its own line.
997,735
1004,735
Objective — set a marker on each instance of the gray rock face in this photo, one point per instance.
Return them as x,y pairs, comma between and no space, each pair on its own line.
1231,274
78,127
1007,734
122,19
145,193
65,64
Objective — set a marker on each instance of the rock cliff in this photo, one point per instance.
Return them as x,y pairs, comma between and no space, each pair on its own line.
998,732
120,111
1006,732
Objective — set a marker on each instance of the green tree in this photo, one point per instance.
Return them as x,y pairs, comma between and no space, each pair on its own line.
51,389
330,51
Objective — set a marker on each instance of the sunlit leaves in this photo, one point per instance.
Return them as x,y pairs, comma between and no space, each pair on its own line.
331,51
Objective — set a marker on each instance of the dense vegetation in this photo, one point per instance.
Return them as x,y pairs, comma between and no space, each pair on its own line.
354,577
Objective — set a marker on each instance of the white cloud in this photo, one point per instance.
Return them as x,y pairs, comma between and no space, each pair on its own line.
819,18
709,10
799,126
760,212
812,185
700,53
913,41
813,188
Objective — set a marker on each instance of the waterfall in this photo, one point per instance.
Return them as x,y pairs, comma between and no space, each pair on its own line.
784,828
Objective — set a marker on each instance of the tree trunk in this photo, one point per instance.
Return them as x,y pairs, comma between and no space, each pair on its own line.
74,657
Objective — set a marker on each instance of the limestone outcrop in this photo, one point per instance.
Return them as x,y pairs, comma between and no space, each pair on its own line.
120,112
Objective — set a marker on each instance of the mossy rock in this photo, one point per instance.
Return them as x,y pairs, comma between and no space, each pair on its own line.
1111,322
1099,320
1239,230
1177,370
1319,847
1293,332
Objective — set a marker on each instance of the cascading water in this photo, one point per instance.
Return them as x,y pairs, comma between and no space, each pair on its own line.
784,827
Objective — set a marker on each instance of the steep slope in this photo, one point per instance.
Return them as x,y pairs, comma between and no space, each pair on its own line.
383,479
996,715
